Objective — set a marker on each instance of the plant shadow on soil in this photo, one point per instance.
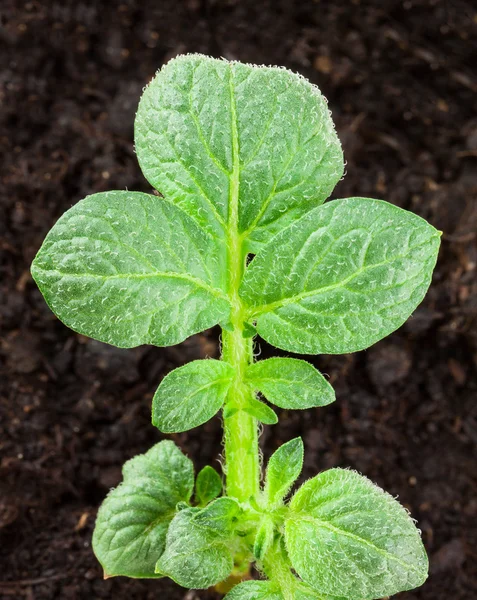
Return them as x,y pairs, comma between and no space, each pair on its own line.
401,86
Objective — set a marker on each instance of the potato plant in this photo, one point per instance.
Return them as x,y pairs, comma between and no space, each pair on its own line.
244,158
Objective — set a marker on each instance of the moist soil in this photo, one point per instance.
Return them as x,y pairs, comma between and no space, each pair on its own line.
400,79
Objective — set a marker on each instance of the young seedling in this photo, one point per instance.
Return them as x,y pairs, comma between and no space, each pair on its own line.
244,158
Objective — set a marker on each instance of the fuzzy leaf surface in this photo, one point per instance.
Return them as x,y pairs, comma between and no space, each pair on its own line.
213,136
342,277
261,411
263,539
191,395
255,590
283,469
208,485
195,557
132,522
270,590
221,514
364,541
290,383
128,268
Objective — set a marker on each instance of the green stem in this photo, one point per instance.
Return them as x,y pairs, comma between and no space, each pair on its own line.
278,569
242,466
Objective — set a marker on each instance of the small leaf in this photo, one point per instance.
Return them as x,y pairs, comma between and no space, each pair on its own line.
132,522
255,590
342,277
270,590
128,269
221,514
249,330
342,522
290,383
211,134
208,485
195,557
284,467
263,539
261,411
191,395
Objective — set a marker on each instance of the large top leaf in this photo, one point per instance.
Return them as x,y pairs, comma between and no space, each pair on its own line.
236,145
346,537
342,277
129,268
132,522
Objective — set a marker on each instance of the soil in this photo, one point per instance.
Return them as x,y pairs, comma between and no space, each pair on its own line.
401,82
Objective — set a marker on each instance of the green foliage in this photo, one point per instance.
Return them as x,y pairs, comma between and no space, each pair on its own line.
342,277
195,557
261,411
287,157
342,522
221,514
243,158
255,590
133,521
208,485
191,395
129,268
283,469
264,538
290,383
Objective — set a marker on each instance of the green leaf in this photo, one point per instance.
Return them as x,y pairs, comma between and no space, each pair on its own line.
255,590
128,268
191,395
208,485
221,514
132,522
284,468
364,541
290,383
217,137
270,590
263,539
261,411
195,557
342,277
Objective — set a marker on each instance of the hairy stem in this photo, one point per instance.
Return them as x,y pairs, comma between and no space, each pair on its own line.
242,466
277,569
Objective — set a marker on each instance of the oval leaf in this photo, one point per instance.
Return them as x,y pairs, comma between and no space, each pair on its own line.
260,411
191,395
132,522
221,514
342,522
290,383
283,469
208,485
195,557
270,590
237,145
342,277
128,268
255,590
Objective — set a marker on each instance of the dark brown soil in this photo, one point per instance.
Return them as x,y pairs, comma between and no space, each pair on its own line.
401,81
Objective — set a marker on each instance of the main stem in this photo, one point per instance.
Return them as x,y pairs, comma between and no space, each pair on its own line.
242,467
